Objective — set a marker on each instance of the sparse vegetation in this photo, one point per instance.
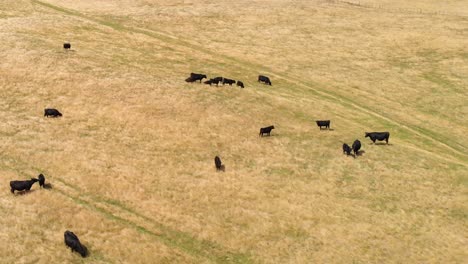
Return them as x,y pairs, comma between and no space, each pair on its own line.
131,159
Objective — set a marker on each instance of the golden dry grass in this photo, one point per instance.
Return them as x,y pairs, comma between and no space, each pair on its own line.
131,160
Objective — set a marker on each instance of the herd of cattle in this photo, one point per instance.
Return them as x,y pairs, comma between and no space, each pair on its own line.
217,80
72,241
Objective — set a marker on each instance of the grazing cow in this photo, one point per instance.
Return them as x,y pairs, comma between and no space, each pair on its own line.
264,79
72,241
22,185
378,136
218,164
265,130
346,149
52,112
41,180
241,84
66,46
323,123
216,81
196,77
228,81
356,146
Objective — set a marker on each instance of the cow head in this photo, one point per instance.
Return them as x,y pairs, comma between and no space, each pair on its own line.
82,250
367,134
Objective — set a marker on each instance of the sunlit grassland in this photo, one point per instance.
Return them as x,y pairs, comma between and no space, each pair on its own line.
131,160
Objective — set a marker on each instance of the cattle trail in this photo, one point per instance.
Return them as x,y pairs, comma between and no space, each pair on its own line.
126,216
165,37
202,250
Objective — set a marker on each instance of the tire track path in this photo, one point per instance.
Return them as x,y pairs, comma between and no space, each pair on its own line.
202,250
457,152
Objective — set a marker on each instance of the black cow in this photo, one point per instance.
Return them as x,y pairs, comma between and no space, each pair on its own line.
378,136
356,146
346,149
218,79
22,185
72,241
196,77
219,166
52,112
323,123
66,45
264,79
265,130
41,180
241,84
228,81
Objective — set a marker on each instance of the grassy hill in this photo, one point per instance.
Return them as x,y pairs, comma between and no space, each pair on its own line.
131,160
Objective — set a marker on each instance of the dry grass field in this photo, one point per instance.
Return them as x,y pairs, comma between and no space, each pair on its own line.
131,160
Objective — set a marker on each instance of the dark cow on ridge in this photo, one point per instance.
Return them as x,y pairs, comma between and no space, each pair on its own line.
378,136
41,180
66,46
52,112
228,81
196,77
72,241
346,149
22,185
323,123
265,130
219,166
241,84
217,80
264,79
356,147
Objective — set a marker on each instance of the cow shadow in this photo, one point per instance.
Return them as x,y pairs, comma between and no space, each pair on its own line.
360,152
21,193
325,129
382,144
47,186
222,168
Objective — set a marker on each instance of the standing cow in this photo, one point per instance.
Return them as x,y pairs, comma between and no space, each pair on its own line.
197,76
219,166
356,147
380,136
323,123
266,130
41,179
228,81
22,185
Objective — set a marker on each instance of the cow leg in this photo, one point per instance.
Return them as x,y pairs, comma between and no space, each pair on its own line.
12,191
